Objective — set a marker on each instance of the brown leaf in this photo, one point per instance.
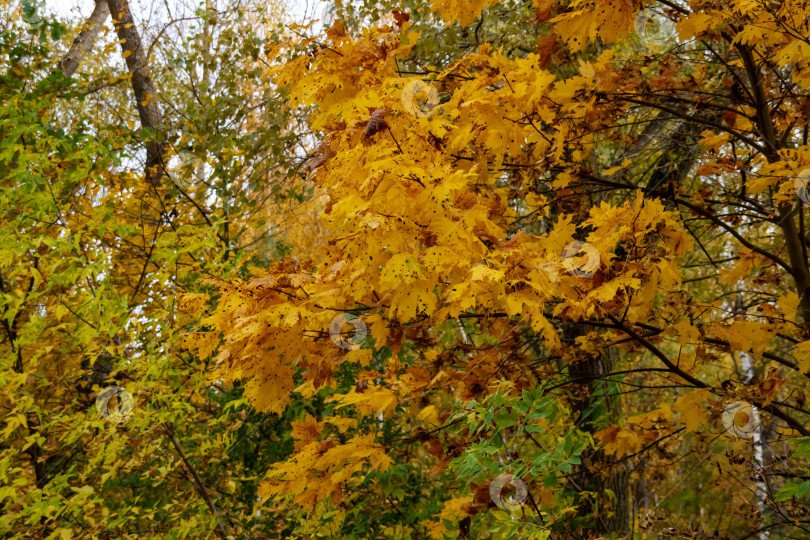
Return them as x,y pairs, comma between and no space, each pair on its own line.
401,17
336,31
542,10
435,142
730,118
324,154
546,47
377,122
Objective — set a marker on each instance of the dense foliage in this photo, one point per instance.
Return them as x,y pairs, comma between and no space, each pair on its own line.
463,269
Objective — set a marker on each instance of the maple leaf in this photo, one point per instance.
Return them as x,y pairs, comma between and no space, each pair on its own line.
371,400
608,19
690,407
618,441
465,11
746,336
430,415
802,355
306,432
453,510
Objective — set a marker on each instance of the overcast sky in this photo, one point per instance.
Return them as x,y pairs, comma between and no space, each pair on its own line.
141,8
71,7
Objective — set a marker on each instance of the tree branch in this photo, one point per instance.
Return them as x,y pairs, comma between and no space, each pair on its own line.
197,480
145,92
83,43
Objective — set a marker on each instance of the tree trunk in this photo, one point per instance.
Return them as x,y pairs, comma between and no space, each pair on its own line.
612,502
142,85
85,40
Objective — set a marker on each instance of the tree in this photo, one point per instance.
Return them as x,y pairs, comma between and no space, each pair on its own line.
108,428
523,241
447,269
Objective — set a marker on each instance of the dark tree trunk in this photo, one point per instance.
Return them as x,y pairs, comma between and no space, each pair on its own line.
611,507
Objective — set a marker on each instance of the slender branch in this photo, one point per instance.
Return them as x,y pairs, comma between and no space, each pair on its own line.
197,480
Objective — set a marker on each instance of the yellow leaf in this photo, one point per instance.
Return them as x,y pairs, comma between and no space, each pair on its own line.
789,304
271,393
483,273
60,311
378,327
742,268
695,24
409,301
306,432
464,10
621,442
341,423
402,267
454,510
759,184
713,141
430,415
608,19
685,332
192,303
204,343
36,276
746,336
802,355
614,170
359,356
372,400
690,407
524,297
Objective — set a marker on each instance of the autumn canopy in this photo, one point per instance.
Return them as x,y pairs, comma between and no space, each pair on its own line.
447,269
